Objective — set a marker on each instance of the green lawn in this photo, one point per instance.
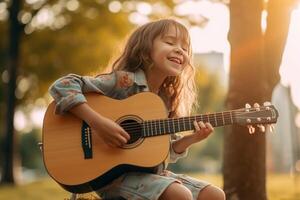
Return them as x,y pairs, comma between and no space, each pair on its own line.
280,187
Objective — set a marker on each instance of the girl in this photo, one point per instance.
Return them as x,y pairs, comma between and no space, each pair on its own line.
156,58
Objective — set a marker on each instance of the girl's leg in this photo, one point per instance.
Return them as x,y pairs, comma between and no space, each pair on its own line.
176,191
212,193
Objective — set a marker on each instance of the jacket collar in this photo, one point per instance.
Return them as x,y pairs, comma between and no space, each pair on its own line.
140,78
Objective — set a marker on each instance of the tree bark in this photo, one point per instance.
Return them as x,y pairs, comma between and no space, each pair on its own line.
254,72
244,154
10,153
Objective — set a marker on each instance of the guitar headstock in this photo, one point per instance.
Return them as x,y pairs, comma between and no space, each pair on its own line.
259,116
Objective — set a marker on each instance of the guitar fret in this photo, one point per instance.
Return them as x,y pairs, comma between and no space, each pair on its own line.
148,129
219,119
174,125
231,117
151,128
168,122
155,127
183,124
207,118
164,126
223,118
159,129
190,124
228,118
216,123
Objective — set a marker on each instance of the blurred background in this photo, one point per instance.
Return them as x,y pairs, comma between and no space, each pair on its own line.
244,52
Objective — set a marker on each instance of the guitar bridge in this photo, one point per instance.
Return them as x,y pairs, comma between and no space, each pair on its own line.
86,140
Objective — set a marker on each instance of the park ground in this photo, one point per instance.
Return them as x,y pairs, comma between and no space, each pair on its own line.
279,187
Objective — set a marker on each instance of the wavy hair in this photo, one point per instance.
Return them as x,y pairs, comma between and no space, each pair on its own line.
179,92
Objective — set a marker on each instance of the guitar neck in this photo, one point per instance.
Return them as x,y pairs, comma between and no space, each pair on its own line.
174,125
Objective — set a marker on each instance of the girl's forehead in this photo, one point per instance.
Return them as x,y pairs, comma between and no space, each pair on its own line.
176,32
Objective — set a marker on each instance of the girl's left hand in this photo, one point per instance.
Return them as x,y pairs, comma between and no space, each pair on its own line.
202,131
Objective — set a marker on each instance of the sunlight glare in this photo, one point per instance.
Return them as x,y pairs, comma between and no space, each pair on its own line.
37,115
212,37
114,6
290,66
144,8
20,121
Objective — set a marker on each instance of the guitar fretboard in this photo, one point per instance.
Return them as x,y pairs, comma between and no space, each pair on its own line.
174,125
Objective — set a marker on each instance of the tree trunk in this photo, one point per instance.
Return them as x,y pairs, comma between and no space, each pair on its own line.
10,153
244,154
255,61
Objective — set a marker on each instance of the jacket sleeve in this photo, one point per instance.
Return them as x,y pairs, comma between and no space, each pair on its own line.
173,155
68,90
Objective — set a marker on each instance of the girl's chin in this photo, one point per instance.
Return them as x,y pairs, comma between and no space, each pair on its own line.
177,69
175,72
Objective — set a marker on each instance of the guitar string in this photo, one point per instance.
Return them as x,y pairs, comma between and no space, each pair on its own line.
159,126
186,120
213,116
131,126
137,129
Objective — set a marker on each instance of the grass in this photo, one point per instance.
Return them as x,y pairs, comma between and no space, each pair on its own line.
279,187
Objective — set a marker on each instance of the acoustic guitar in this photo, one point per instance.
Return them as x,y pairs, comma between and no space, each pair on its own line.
81,162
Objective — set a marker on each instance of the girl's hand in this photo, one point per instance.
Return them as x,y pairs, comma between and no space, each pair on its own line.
109,131
202,131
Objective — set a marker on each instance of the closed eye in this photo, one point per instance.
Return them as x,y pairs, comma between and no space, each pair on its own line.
170,43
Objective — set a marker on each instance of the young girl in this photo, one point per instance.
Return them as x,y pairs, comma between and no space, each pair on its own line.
156,58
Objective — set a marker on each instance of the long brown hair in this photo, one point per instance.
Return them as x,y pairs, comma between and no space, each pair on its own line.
178,90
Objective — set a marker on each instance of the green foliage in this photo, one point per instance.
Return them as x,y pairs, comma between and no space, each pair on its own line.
83,46
29,150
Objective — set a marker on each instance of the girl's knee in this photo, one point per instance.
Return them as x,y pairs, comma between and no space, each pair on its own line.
211,192
176,191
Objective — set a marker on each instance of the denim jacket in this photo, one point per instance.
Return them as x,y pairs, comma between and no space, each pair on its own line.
69,90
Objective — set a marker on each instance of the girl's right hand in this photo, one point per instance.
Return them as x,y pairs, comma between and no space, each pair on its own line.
109,131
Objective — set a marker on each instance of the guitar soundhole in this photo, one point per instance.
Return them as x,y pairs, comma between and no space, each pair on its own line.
133,128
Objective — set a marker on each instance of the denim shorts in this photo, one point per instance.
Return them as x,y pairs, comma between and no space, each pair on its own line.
143,186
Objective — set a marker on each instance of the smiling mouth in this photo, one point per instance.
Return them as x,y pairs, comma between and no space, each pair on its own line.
175,60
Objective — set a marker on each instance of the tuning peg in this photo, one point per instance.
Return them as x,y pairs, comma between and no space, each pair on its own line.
256,105
271,128
267,103
247,107
251,129
262,128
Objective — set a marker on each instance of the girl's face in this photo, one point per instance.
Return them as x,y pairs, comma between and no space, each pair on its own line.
170,52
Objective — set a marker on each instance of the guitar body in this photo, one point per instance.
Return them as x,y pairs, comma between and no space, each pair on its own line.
63,152
79,160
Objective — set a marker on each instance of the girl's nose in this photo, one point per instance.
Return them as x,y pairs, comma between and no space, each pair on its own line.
179,51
